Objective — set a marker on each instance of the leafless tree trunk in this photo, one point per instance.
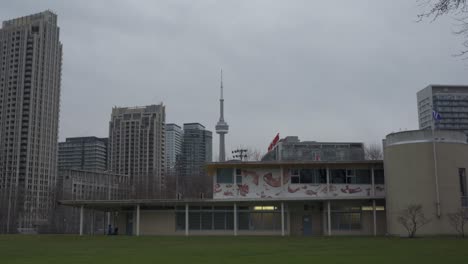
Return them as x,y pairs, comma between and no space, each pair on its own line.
373,152
458,220
412,218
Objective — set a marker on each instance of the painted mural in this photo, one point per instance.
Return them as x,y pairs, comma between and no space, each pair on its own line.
262,183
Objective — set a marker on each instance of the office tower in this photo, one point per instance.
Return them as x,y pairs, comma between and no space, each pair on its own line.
83,153
174,138
222,127
30,76
450,101
137,147
292,149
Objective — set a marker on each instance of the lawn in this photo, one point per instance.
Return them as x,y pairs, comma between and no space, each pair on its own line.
63,249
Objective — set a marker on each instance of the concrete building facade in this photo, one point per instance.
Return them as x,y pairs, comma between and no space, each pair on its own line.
292,149
137,147
30,77
315,198
174,139
88,185
422,169
83,153
450,101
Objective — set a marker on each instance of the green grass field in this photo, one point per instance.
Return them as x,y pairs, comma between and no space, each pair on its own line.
15,249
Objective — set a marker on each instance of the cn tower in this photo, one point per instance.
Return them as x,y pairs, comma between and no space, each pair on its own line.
222,127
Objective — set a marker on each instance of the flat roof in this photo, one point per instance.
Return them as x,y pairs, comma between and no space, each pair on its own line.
282,163
131,203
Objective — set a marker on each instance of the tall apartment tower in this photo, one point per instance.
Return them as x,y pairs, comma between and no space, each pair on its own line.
451,101
30,76
137,147
83,153
196,149
174,137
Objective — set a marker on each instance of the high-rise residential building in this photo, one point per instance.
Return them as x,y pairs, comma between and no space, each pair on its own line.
196,148
30,76
137,147
450,101
83,153
174,137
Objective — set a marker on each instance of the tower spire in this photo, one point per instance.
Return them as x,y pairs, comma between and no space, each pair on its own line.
222,127
222,84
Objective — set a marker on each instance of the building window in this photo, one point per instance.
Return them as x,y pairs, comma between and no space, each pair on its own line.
338,176
294,175
310,176
379,176
346,221
238,176
224,175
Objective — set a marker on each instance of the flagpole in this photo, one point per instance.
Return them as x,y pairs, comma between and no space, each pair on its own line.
436,174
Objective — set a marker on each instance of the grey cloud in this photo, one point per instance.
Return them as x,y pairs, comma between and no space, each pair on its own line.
322,70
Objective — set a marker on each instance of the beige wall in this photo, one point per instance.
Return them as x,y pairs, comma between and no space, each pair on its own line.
157,223
409,178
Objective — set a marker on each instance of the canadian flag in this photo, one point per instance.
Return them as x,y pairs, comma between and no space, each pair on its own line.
273,143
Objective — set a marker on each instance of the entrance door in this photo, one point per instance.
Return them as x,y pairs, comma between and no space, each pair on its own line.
129,227
306,225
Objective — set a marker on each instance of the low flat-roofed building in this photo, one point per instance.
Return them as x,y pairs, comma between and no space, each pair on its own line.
265,198
314,198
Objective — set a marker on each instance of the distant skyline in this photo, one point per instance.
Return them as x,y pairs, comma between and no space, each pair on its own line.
324,71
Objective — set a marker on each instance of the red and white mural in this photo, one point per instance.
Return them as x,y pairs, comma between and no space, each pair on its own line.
266,183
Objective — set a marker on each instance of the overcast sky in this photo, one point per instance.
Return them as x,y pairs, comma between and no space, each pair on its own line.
321,70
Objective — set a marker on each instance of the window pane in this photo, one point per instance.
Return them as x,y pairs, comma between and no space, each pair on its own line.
219,220
306,175
194,221
338,176
321,175
295,179
207,220
363,177
180,221
224,175
379,176
243,221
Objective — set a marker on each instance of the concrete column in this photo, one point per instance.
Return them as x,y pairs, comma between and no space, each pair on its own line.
186,220
92,222
137,232
81,219
282,219
235,219
329,218
375,217
373,182
328,181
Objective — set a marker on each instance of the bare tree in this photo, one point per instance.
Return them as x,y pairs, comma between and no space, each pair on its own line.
373,152
458,9
412,218
458,220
